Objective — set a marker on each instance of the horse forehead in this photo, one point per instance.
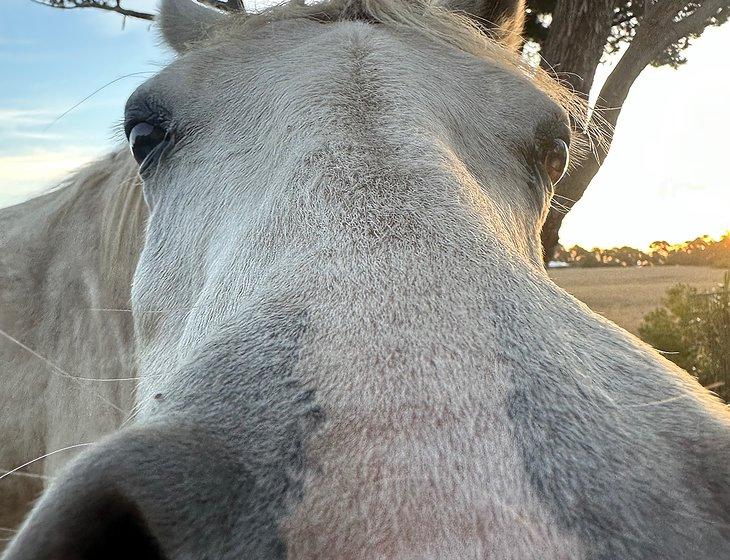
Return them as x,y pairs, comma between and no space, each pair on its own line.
292,53
290,72
368,106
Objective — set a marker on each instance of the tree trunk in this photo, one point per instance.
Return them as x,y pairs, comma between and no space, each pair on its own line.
573,49
576,40
659,28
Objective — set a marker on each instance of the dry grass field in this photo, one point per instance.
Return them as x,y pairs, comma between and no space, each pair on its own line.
625,295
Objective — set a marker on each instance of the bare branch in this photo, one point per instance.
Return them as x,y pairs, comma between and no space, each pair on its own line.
116,6
100,4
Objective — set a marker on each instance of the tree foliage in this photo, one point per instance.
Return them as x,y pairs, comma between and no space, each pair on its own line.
693,330
702,251
630,13
627,16
617,256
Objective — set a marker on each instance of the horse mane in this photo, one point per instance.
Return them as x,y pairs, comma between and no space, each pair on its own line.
123,218
114,178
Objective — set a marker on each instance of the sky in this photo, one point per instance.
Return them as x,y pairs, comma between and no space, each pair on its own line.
666,176
50,60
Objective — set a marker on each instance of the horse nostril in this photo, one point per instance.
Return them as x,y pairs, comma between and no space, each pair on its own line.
138,495
114,529
101,508
108,526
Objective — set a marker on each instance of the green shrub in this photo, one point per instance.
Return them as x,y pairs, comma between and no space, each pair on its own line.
693,330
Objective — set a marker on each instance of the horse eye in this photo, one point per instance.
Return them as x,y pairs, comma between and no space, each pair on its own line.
555,159
144,139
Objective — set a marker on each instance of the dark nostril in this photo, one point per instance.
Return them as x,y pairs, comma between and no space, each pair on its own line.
104,525
138,495
112,529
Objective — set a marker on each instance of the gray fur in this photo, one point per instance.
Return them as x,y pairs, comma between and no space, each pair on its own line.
347,345
628,457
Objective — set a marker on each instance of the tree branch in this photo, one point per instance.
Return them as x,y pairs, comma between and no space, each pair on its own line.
76,4
655,34
696,22
115,6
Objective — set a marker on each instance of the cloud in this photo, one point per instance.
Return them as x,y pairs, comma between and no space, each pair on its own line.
26,124
26,175
22,130
29,135
25,117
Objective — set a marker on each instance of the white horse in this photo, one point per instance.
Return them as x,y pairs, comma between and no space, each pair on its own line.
344,345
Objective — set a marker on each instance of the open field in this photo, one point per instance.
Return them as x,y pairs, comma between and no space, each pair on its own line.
625,295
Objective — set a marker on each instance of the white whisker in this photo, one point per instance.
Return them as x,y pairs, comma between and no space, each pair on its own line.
135,411
25,475
565,198
93,93
57,369
122,310
46,455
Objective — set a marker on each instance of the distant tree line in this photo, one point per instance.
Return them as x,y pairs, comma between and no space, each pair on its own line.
702,251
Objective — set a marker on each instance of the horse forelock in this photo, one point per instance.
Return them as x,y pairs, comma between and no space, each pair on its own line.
454,28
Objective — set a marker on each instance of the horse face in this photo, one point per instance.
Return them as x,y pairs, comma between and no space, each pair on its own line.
281,140
313,187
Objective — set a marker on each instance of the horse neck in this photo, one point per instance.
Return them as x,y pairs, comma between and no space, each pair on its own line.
67,261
